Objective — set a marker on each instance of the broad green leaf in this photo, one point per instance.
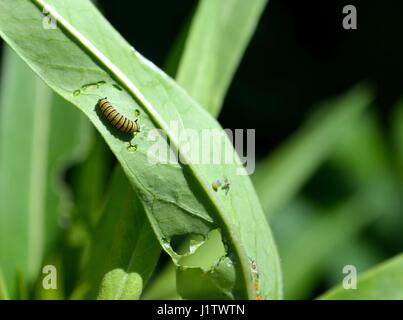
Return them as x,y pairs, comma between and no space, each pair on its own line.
219,34
39,137
123,238
383,282
120,285
283,173
81,66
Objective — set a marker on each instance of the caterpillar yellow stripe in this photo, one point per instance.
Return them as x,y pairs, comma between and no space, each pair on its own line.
116,119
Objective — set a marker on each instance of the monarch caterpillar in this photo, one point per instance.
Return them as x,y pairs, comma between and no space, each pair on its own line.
117,120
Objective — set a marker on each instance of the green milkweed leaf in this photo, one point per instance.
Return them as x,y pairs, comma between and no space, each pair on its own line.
76,62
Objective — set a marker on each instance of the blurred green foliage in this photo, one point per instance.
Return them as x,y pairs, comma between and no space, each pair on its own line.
331,190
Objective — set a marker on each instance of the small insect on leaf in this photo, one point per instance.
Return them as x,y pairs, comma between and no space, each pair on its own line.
226,186
223,184
216,185
116,119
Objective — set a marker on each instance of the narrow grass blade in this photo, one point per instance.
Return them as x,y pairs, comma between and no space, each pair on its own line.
219,34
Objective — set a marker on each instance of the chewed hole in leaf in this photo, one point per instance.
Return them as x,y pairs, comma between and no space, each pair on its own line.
210,270
207,254
186,244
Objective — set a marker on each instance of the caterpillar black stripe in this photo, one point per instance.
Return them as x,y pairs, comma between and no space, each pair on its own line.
116,119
